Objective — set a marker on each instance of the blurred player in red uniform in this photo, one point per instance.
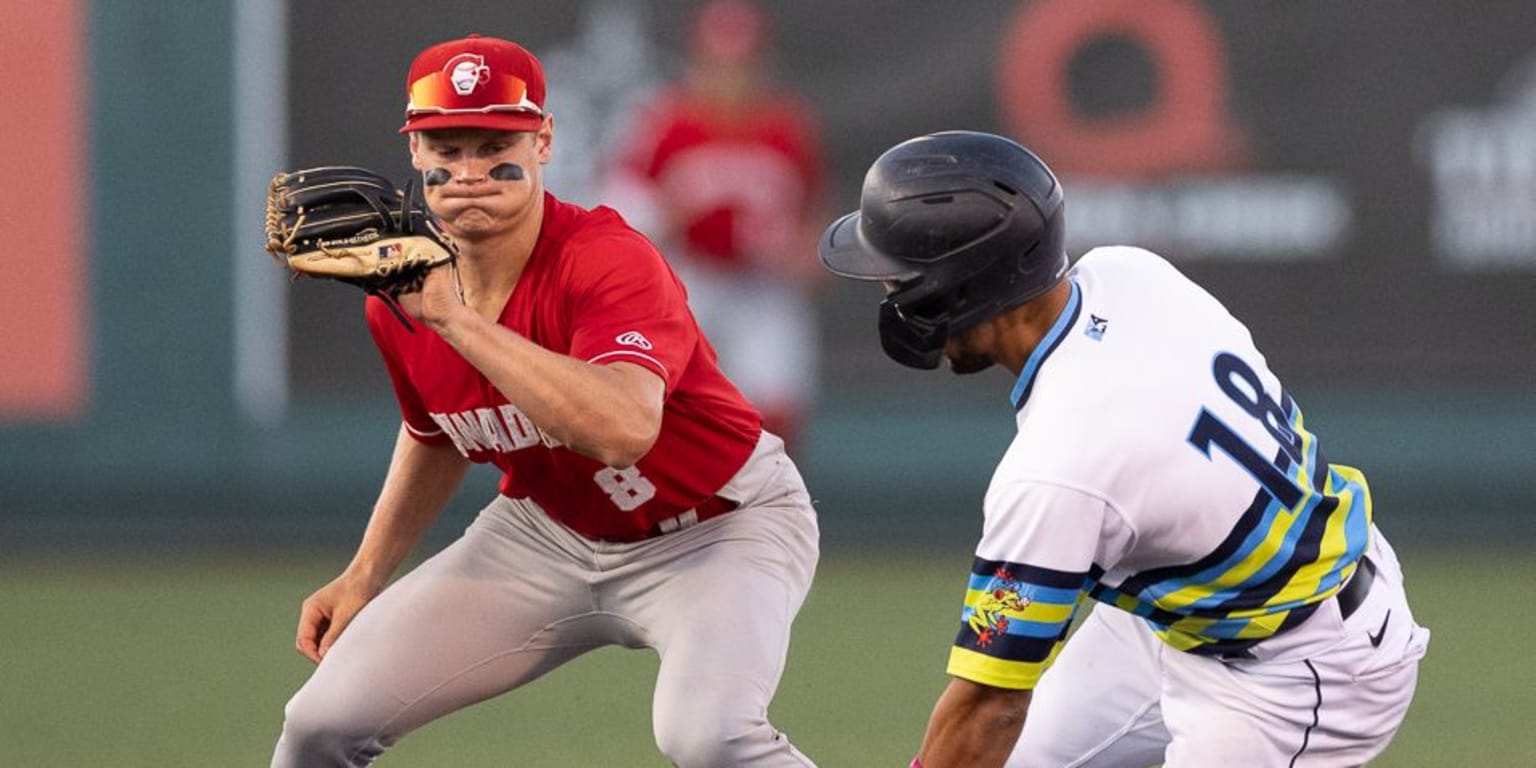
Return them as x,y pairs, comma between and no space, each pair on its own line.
726,170
641,504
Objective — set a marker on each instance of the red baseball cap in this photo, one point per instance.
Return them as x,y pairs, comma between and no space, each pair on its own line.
476,82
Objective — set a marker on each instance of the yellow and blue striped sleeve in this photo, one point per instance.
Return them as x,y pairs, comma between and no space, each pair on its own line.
1015,619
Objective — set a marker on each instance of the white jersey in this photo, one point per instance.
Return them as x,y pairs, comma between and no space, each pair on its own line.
1161,468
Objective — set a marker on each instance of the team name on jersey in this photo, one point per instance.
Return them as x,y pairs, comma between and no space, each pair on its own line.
503,429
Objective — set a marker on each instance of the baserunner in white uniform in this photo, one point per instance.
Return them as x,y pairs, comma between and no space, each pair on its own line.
1252,614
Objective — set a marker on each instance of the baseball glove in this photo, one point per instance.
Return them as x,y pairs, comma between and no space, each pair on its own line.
353,225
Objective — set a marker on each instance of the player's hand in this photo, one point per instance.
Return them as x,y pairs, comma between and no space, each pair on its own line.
437,300
327,612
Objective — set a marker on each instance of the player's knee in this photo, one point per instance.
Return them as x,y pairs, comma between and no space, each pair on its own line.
318,733
707,739
705,748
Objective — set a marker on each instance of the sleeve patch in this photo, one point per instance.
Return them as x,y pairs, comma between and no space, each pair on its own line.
1012,625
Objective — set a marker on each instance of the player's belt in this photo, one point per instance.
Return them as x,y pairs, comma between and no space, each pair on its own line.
1353,593
713,506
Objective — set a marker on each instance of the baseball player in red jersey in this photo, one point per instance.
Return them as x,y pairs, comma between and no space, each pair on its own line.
641,505
726,169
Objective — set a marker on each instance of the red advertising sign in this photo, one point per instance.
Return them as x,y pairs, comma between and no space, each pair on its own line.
44,313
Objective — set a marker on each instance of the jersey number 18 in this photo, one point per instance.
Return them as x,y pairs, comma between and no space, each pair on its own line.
1239,381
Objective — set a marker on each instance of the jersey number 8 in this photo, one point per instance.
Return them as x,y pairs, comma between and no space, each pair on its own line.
626,487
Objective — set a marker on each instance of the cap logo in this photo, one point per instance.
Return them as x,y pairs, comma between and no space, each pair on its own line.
467,71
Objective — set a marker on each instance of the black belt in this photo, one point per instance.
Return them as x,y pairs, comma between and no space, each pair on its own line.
1353,593
711,507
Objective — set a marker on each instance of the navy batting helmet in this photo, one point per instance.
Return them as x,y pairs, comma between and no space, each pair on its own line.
961,226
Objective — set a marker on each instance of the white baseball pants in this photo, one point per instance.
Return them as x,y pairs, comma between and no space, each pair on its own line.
1322,694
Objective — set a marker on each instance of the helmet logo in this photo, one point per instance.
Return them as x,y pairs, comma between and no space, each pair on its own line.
633,339
467,71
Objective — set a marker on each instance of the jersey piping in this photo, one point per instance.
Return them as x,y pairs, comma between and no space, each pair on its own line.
640,355
1047,345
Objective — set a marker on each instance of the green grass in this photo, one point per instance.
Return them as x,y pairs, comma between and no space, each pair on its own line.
165,662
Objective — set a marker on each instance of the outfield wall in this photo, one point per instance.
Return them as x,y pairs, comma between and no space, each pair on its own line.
1364,194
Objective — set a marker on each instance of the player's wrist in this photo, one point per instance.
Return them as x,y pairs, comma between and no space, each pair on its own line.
451,320
366,574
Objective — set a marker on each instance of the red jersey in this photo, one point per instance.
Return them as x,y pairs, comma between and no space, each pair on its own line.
596,290
736,185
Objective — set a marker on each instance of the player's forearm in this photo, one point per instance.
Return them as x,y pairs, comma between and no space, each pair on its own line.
420,481
595,410
974,726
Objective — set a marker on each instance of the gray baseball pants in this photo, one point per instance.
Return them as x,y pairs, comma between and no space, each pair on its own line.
519,594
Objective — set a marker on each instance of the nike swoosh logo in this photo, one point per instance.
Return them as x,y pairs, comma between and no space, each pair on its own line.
1380,633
